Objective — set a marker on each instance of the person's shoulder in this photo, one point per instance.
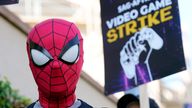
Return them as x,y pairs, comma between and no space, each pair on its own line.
31,105
84,104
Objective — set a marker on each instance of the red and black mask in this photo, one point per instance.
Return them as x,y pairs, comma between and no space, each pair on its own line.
55,51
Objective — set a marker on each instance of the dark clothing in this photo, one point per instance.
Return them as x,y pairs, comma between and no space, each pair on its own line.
32,105
83,105
152,103
6,2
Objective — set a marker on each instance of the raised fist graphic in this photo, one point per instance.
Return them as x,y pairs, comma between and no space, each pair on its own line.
138,50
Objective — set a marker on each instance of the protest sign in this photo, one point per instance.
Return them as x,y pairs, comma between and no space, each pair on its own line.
142,42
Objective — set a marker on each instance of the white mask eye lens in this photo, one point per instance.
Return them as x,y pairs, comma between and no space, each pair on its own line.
38,57
71,55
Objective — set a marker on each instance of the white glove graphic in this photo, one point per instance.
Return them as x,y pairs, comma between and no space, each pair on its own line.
143,41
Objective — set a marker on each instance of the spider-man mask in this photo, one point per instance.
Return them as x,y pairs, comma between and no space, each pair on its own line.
55,51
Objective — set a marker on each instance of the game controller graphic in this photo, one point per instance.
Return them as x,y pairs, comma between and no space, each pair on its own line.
142,43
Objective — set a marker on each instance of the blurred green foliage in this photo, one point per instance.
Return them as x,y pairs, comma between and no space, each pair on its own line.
10,98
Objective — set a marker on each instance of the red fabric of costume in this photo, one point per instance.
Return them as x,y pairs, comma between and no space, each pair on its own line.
55,51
